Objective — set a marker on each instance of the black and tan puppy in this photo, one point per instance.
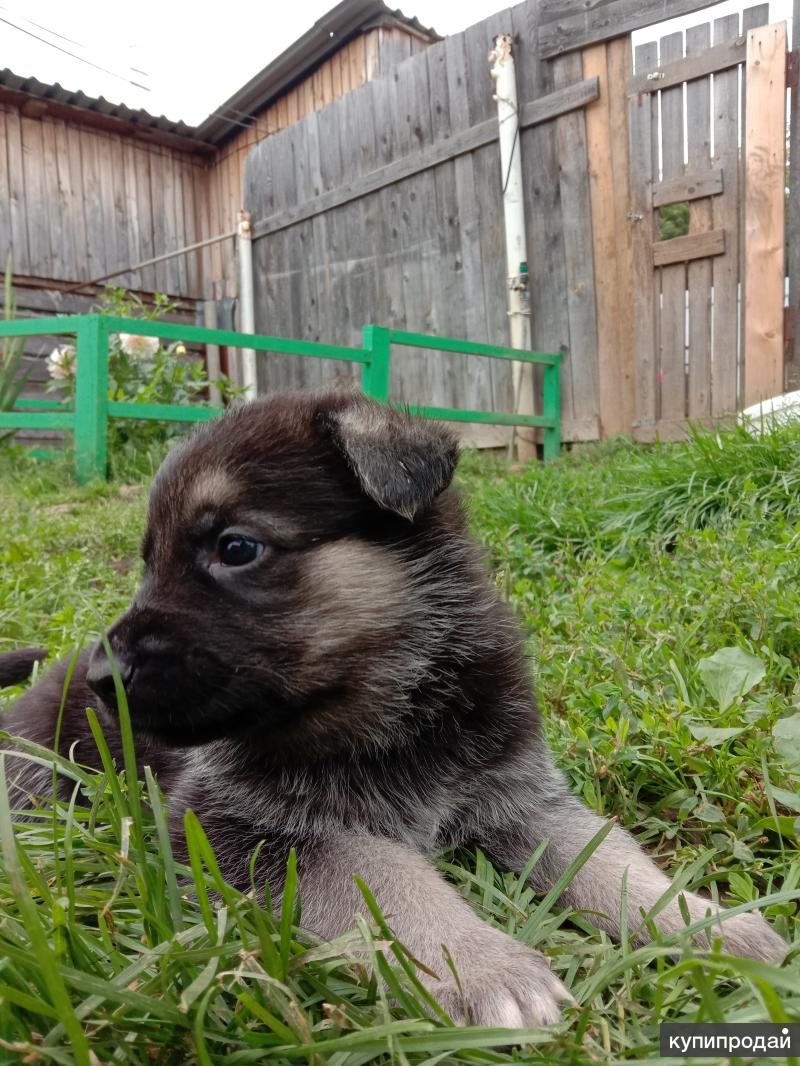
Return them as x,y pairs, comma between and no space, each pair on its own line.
317,658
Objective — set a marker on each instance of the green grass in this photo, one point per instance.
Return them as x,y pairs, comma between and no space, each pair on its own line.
630,569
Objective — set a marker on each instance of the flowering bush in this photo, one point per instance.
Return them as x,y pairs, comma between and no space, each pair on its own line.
61,363
141,370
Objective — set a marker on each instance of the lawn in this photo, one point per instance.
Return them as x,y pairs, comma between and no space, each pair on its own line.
660,590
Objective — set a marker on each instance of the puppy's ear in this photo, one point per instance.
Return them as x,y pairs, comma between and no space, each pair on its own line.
402,463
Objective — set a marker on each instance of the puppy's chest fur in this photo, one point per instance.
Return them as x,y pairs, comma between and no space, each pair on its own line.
430,802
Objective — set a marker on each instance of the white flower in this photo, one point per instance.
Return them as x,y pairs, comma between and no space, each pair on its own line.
61,362
138,347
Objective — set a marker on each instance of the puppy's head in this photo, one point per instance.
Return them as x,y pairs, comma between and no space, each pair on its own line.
280,597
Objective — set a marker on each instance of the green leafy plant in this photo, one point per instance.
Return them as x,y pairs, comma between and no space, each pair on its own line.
12,381
141,370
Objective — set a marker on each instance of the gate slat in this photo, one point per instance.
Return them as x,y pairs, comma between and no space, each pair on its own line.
643,163
725,215
765,134
672,373
698,135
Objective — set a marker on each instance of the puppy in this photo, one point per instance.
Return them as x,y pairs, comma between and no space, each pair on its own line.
17,666
317,658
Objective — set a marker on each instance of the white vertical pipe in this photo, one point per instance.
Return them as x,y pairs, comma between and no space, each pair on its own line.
504,76
247,314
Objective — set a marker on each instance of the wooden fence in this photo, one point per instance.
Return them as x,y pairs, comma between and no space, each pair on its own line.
387,205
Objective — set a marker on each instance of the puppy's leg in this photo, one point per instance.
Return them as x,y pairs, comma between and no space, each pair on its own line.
560,819
503,982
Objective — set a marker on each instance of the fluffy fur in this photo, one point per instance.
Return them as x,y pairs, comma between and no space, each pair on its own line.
358,692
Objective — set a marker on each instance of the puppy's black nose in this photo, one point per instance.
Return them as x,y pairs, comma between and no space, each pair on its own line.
100,676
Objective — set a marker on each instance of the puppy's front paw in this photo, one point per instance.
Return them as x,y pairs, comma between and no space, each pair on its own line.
502,984
750,936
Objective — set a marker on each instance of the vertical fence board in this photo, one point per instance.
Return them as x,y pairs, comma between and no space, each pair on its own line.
93,205
474,377
16,191
546,252
488,178
725,215
698,131
573,172
672,331
764,211
644,174
608,158
35,198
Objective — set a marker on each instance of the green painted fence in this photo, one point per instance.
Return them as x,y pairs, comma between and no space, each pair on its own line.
87,419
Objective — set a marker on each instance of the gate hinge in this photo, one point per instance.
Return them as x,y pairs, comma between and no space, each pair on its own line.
792,68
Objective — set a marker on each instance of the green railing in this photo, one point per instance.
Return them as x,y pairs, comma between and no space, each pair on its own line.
87,419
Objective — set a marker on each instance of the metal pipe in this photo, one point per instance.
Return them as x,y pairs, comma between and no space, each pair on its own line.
152,262
504,76
247,314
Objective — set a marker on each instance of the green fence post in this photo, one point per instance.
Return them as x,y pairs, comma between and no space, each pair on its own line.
551,404
377,343
91,399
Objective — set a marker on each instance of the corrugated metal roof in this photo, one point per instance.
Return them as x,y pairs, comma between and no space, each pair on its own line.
325,37
58,94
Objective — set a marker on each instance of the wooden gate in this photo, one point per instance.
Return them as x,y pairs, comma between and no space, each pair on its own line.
707,157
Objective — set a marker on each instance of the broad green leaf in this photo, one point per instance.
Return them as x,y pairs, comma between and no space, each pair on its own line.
712,736
707,812
786,738
786,798
730,673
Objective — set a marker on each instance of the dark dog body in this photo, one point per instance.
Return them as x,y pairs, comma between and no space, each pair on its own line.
317,658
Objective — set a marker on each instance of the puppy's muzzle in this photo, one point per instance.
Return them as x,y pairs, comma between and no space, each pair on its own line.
100,676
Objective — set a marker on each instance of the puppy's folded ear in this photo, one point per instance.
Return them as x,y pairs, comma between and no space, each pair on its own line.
402,463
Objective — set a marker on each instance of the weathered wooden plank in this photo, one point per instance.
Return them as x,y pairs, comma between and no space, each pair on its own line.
411,109
573,176
545,221
466,140
672,369
190,233
765,132
752,17
698,275
70,206
36,208
724,215
127,243
488,179
55,203
5,194
16,191
644,172
607,148
140,189
93,205
693,186
74,176
568,26
447,306
106,178
710,61
366,249
468,315
791,342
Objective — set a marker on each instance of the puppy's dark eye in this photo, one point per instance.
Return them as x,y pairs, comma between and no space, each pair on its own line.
236,550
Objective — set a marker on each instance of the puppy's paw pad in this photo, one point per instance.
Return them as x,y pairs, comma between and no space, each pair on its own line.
515,990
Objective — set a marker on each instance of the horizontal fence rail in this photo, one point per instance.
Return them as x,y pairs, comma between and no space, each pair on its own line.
87,417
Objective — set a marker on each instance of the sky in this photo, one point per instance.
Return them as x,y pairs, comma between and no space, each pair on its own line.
183,58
